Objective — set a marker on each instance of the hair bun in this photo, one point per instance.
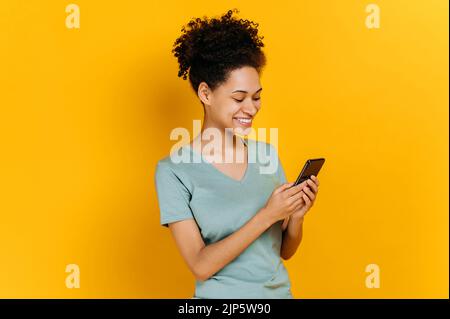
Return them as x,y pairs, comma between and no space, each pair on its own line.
212,43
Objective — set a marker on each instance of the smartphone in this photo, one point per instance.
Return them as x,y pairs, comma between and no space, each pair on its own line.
311,167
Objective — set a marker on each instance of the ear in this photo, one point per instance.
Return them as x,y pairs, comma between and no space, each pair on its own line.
204,93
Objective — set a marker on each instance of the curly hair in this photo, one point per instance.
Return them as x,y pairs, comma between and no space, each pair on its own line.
209,49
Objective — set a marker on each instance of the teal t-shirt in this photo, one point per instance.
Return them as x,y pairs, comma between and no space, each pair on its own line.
221,205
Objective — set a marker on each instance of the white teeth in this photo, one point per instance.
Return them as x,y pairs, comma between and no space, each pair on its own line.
244,120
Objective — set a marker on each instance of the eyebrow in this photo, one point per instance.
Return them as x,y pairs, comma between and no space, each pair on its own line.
243,91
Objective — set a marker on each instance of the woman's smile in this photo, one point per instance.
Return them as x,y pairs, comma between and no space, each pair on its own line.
243,121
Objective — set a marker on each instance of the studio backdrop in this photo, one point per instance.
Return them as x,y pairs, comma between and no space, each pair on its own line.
90,95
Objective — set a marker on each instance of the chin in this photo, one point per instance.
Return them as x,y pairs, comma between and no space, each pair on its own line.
242,130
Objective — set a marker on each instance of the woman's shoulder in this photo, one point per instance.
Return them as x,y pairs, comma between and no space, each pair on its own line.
166,172
175,166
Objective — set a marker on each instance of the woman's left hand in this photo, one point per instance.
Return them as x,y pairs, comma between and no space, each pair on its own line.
310,194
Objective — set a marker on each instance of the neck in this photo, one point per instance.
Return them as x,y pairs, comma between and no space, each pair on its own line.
224,140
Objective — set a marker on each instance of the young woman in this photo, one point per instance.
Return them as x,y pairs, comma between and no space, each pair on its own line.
231,223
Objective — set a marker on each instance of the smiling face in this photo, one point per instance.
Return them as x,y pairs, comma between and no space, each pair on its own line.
234,103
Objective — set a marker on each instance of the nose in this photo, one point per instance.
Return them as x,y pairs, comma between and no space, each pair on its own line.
251,108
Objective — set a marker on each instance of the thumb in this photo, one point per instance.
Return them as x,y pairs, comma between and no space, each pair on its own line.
282,187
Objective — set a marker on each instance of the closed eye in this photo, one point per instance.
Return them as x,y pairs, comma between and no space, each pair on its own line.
255,99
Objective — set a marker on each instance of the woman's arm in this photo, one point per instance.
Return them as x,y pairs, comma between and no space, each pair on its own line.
292,237
205,261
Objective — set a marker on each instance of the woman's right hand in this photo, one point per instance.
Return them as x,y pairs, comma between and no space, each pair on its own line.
284,201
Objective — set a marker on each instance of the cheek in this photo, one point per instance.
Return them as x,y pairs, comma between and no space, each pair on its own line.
228,111
224,111
235,108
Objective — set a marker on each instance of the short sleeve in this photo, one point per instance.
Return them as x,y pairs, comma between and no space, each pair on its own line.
173,196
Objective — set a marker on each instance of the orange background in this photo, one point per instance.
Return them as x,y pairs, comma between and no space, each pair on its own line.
87,112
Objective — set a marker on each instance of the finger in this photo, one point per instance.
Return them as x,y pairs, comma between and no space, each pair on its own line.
300,204
300,201
315,179
283,187
294,190
307,200
312,185
308,192
296,197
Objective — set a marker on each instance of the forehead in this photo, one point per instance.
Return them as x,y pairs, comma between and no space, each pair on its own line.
245,78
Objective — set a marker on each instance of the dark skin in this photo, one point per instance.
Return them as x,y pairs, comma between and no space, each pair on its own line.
239,97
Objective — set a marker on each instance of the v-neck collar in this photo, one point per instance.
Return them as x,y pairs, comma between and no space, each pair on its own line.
208,164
